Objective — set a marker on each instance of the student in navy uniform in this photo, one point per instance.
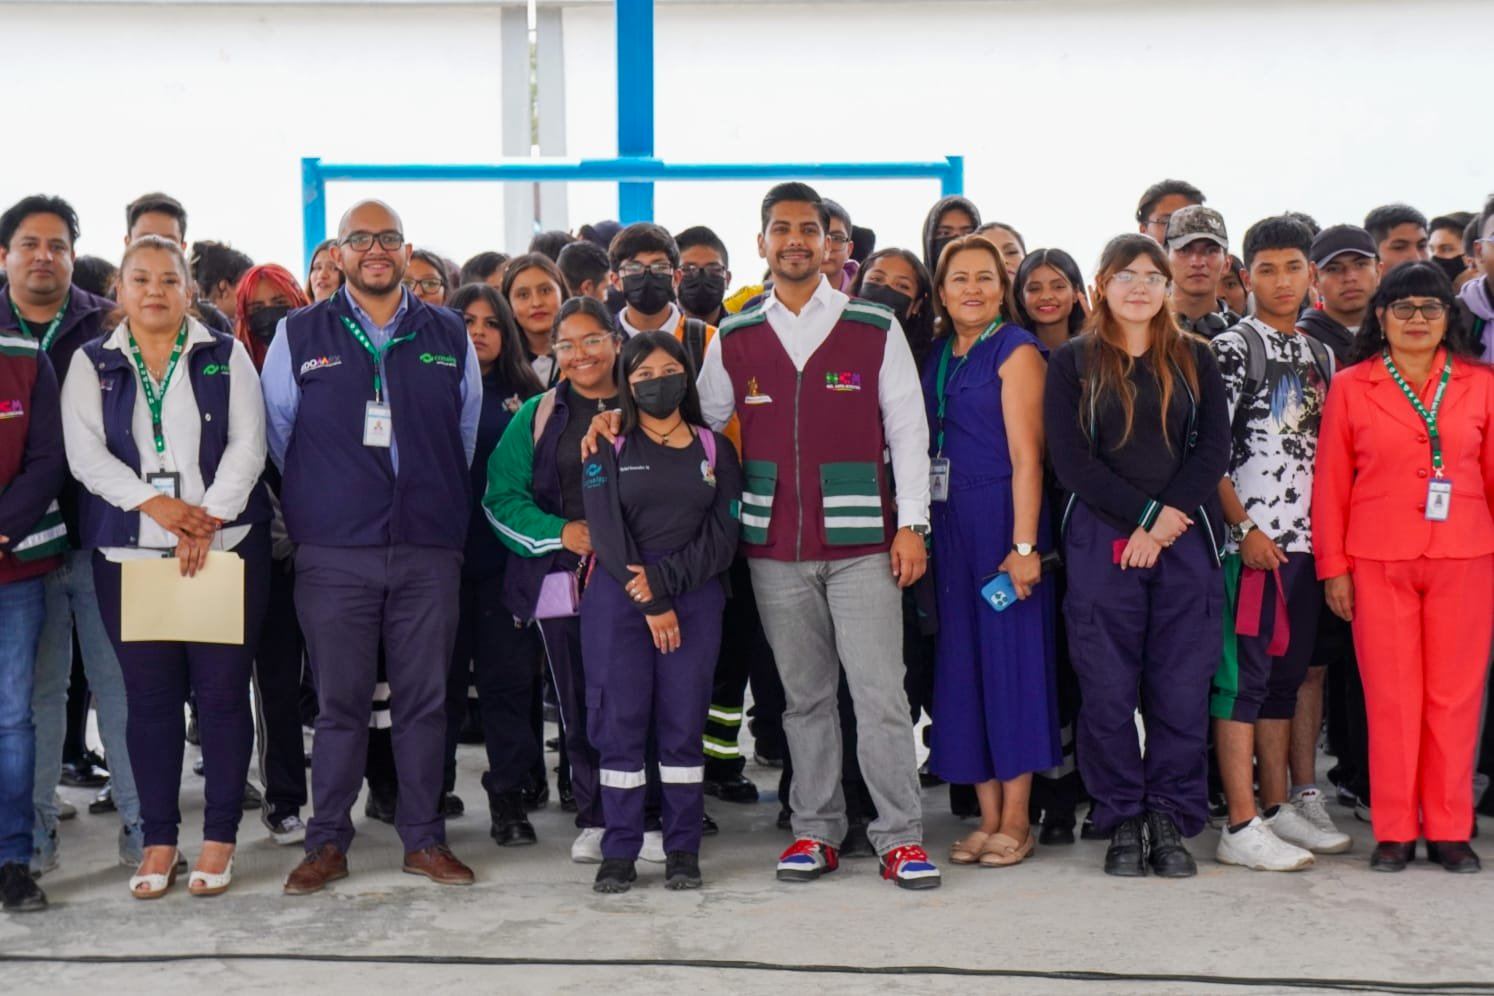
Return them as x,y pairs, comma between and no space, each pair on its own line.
1136,422
37,235
500,650
373,401
32,542
165,431
662,507
533,502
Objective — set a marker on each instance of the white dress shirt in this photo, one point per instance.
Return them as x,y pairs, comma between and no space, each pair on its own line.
108,477
667,325
899,391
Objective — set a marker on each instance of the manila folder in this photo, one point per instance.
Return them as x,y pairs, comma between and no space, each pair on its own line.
157,603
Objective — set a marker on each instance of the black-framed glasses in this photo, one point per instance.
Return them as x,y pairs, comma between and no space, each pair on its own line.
363,241
633,268
430,285
1430,310
838,239
712,269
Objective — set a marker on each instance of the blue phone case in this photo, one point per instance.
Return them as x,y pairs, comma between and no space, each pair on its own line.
998,592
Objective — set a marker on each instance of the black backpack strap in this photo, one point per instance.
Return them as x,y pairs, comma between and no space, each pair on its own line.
695,342
1323,358
1255,373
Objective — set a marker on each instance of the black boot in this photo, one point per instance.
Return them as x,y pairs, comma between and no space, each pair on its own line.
451,805
1454,855
511,828
732,788
615,875
381,803
1126,855
536,795
1166,853
19,892
681,870
1392,855
1057,828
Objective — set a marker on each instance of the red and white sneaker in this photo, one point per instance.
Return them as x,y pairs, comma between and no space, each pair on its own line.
909,866
806,860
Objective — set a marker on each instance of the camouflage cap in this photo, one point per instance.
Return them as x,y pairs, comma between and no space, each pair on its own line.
1194,222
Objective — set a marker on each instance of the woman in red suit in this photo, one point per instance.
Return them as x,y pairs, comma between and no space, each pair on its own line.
1403,533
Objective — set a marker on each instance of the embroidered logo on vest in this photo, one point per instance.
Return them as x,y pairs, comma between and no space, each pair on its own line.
320,362
213,368
753,396
11,409
842,381
440,359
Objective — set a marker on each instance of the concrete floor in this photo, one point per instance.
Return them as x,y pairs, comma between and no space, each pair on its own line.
1055,913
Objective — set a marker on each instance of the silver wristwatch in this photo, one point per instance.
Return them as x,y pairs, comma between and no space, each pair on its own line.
1240,530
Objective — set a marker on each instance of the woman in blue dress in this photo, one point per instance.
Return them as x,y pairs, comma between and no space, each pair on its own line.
994,671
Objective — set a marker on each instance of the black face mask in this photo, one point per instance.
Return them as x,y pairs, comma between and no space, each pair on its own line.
649,293
936,248
661,396
894,299
262,323
701,292
1450,265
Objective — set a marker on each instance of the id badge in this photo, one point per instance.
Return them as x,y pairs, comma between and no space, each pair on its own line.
1439,500
939,479
168,484
378,425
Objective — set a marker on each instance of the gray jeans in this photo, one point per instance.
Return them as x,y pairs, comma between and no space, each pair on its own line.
821,616
71,599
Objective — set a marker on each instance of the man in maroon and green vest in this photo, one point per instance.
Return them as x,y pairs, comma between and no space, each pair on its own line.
826,390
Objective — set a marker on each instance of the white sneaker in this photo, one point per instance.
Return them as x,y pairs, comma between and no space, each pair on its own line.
1255,846
1294,828
587,850
1310,806
653,847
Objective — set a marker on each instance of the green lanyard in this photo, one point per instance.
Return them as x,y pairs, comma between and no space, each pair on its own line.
377,354
1429,417
155,401
945,374
49,336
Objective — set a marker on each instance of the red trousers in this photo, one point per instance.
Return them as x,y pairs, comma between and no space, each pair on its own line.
1422,630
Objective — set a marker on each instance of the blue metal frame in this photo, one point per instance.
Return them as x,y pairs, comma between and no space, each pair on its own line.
635,170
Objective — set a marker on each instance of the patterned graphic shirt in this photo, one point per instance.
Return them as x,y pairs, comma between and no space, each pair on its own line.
1275,431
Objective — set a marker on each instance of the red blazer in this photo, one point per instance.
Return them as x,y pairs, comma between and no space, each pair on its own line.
1374,462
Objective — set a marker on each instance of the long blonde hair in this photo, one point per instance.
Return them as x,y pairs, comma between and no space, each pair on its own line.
1108,364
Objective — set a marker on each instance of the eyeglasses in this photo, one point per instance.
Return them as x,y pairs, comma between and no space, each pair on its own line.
633,269
430,285
363,241
1431,310
1128,277
591,344
1159,219
711,269
838,239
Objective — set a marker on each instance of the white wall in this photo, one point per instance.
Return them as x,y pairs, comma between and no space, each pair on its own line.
216,104
1064,109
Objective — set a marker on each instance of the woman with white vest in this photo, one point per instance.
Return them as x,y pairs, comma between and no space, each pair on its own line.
165,430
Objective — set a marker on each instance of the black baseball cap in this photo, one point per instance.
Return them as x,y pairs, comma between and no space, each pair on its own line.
1339,239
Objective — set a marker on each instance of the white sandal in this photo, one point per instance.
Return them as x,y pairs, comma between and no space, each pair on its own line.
209,884
155,886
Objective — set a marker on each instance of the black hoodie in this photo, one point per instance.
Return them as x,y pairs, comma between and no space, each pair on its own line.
1329,332
931,223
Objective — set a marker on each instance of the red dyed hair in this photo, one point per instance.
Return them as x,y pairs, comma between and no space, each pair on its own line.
284,282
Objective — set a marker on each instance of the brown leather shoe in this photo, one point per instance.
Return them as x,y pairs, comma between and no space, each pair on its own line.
325,864
438,864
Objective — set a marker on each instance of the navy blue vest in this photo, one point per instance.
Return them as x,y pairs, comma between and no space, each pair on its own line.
338,492
102,524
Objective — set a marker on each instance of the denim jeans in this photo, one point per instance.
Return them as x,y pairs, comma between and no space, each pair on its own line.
70,599
821,616
22,608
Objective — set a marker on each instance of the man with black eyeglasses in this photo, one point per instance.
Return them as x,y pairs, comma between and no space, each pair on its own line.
838,267
704,274
646,268
1158,203
1198,249
372,400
